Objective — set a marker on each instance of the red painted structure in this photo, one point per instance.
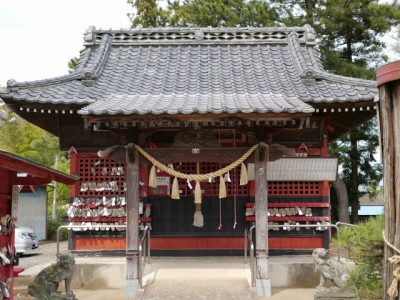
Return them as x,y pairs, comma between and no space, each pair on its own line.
10,166
313,195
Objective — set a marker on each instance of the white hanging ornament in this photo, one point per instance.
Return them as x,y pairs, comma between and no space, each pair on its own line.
189,185
227,177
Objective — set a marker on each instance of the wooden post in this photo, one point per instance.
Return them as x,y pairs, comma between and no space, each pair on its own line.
132,226
263,284
388,77
130,156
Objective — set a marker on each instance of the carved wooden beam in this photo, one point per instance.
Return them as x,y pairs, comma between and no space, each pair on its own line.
174,155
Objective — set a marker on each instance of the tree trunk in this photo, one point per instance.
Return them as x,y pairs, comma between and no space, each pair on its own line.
354,157
310,6
343,200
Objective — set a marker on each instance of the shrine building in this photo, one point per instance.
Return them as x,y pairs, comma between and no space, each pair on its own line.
250,109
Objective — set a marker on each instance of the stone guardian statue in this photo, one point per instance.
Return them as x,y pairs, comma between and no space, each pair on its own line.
45,285
334,271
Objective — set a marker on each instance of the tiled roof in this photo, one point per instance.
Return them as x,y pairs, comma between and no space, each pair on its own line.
196,70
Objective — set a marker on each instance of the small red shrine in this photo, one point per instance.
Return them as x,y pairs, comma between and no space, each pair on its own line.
195,100
10,166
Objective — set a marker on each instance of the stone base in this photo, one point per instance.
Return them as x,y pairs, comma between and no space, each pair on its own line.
62,296
131,287
333,298
335,293
263,287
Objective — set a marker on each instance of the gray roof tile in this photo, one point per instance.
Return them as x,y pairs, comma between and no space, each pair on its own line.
185,71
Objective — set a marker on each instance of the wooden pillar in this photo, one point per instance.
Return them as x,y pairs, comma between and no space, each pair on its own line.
388,79
263,284
132,225
130,156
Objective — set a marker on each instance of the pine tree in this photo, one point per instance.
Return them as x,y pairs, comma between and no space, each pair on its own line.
147,14
203,13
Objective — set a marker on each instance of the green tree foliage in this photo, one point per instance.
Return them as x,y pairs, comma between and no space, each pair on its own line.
364,245
217,13
147,13
203,13
351,33
72,64
29,141
360,171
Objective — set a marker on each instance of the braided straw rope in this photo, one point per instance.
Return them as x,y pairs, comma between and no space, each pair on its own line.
393,289
197,177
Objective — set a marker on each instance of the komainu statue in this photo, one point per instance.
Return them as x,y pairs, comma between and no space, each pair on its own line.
46,283
335,271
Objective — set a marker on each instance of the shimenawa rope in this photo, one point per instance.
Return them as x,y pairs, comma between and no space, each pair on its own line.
395,259
198,217
196,177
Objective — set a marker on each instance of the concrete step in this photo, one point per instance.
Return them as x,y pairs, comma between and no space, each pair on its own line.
109,272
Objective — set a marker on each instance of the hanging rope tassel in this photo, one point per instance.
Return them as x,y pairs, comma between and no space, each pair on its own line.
220,214
175,190
197,192
393,291
152,177
234,211
222,188
243,175
198,220
234,199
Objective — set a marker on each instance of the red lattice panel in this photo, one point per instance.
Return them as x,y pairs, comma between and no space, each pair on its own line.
94,170
291,188
90,169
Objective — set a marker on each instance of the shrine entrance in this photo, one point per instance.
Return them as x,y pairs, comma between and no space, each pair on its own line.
164,160
208,277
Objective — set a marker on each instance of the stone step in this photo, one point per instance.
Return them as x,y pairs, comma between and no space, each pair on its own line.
109,272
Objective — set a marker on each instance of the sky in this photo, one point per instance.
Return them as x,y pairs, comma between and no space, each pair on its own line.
39,37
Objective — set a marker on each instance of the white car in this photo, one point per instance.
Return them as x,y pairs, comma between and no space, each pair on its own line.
25,240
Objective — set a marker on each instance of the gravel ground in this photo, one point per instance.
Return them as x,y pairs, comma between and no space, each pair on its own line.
45,253
188,278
